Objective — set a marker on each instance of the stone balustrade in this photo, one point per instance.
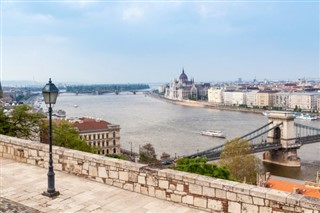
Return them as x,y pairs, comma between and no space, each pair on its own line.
205,193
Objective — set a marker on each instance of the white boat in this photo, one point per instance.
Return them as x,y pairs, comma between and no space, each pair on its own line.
213,133
265,113
75,106
307,117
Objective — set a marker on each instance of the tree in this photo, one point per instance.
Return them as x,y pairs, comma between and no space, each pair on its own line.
24,123
238,158
148,154
202,167
64,134
4,123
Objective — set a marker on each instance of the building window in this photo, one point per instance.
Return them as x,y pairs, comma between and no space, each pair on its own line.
107,151
114,151
114,142
114,134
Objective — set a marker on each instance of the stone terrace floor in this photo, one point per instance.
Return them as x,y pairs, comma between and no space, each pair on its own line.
21,186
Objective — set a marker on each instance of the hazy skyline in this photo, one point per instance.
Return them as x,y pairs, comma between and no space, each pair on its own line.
131,42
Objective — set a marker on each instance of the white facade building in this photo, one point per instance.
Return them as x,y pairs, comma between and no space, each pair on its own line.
251,98
215,95
304,101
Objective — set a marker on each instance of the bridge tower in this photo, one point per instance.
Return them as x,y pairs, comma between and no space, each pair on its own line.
283,133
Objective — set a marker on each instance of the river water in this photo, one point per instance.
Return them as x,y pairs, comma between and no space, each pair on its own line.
174,129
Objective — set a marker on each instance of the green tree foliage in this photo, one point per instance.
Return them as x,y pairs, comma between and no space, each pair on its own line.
147,154
65,135
22,123
200,166
238,158
4,123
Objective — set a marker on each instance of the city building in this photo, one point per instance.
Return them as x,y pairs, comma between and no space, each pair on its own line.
215,95
251,98
184,89
303,101
264,98
281,100
100,134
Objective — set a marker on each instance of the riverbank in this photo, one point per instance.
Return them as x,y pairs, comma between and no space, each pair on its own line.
205,104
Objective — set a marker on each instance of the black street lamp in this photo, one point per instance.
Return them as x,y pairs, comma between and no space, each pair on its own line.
50,94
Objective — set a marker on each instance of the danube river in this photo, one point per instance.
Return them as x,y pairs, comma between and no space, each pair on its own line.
174,129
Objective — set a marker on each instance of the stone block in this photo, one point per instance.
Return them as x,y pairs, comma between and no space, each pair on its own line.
188,199
310,203
304,210
232,196
172,187
128,186
244,198
144,190
161,194
294,199
58,167
259,192
208,191
243,188
142,180
264,209
215,205
221,194
137,187
276,195
151,191
85,166
93,171
152,180
176,198
189,178
258,201
180,187
223,184
102,173
195,189
203,181
123,176
164,184
33,153
234,207
118,184
114,174
200,202
249,208
133,177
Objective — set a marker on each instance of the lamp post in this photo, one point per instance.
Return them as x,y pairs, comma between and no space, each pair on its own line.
50,94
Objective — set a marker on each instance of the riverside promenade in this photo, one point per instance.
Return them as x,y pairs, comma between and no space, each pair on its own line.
21,186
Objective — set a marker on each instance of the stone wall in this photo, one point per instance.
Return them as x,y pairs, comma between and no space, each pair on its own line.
205,193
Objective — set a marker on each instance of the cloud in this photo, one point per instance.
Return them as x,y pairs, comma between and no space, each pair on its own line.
132,14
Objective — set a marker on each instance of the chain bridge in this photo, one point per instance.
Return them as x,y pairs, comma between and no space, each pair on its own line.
279,139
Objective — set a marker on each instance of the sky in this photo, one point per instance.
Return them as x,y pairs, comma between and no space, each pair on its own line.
152,41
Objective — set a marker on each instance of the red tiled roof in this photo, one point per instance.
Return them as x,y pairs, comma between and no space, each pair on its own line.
86,124
289,187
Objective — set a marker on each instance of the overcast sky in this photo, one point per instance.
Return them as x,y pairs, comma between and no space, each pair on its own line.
151,41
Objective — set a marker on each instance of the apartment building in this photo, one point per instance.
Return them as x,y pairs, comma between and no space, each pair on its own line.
100,134
264,98
281,99
303,101
215,95
238,98
251,98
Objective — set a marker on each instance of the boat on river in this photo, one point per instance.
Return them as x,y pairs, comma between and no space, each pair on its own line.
213,133
307,117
